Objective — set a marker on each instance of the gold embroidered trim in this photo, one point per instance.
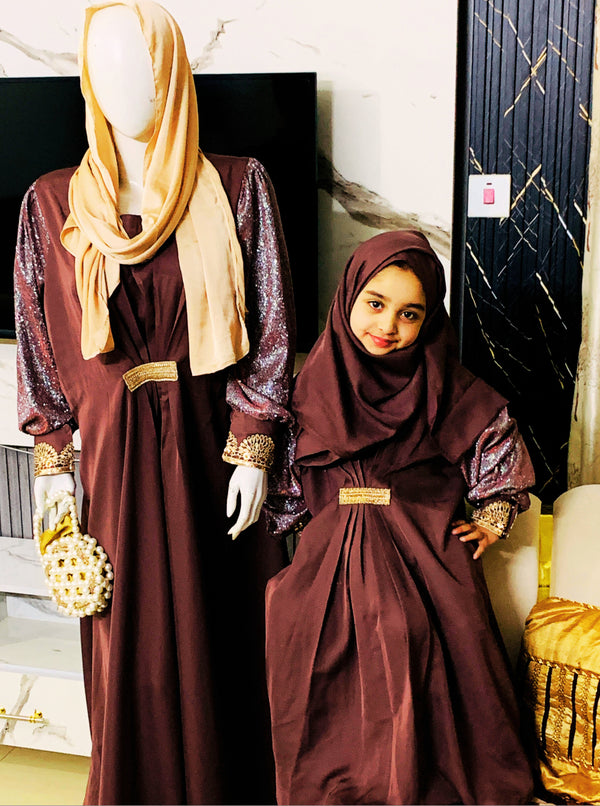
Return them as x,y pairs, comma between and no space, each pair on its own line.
381,496
154,371
494,516
555,664
48,462
257,450
561,703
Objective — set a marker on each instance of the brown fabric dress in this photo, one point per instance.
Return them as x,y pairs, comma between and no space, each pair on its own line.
387,677
174,669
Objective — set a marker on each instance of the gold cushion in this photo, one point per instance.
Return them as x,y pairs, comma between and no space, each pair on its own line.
561,663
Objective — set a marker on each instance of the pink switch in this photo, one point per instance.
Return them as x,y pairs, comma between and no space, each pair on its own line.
489,196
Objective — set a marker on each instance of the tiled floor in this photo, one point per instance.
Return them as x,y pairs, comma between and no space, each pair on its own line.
36,777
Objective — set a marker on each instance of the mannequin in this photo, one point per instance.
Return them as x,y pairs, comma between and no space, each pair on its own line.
112,271
122,80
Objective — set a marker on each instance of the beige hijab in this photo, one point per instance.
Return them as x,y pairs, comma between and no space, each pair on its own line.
182,193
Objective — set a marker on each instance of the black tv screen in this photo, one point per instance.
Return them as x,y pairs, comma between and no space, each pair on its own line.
269,116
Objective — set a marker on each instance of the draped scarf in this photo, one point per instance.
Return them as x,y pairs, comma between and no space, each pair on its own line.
182,193
347,400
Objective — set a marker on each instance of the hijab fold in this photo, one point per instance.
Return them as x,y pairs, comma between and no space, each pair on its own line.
182,194
347,400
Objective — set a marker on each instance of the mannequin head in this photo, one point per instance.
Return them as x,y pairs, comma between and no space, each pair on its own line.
120,71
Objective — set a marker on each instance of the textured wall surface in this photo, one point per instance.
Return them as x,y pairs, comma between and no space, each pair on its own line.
530,117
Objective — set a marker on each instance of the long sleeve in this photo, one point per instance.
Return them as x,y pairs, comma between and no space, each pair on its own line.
258,385
285,507
498,473
42,408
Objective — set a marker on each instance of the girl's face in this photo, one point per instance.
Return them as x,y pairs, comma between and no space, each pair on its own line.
389,311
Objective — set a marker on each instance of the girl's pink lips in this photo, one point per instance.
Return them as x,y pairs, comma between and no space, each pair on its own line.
380,342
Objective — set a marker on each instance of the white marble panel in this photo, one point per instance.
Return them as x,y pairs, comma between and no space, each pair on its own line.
41,608
33,646
64,728
20,568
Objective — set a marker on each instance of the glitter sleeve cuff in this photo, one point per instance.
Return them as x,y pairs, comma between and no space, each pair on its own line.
255,450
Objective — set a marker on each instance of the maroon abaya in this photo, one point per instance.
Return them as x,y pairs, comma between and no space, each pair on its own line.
173,670
387,679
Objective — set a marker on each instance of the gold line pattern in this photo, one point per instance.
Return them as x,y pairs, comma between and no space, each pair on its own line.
533,74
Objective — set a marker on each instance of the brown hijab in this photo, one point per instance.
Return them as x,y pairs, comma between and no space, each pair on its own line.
347,400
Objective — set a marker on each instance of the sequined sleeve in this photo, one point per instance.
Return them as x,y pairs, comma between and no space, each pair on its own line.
498,469
258,385
285,509
42,408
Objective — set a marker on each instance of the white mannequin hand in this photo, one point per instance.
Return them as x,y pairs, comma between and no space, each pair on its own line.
45,486
250,484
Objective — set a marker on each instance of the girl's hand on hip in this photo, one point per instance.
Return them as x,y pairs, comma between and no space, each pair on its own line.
472,531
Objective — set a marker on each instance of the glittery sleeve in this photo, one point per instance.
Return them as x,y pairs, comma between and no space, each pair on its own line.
285,509
41,405
258,386
498,466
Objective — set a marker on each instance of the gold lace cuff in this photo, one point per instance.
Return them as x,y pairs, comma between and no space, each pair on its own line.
256,450
494,516
48,462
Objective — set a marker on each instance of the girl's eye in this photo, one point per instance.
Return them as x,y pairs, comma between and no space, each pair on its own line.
410,315
375,304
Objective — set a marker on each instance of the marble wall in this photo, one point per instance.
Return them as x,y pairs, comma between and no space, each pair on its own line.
386,76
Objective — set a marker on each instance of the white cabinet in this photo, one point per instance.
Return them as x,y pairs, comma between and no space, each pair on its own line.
40,660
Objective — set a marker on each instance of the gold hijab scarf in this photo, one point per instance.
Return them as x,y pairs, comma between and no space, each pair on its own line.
182,193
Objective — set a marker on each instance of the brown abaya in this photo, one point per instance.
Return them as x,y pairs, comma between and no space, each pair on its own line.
174,669
387,679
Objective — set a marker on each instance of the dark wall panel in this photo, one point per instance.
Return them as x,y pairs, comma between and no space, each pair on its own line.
529,117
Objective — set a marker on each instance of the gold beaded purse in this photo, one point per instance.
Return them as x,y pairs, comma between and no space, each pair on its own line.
77,571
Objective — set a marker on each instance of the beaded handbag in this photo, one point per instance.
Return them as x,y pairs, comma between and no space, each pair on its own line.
78,574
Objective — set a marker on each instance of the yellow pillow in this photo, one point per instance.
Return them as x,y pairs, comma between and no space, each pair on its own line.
561,664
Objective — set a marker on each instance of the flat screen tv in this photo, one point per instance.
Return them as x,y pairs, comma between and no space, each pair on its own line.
270,116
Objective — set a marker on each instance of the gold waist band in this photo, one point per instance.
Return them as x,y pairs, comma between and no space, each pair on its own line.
154,371
380,496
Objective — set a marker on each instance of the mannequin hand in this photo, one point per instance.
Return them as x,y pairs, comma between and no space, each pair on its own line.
45,486
473,531
250,484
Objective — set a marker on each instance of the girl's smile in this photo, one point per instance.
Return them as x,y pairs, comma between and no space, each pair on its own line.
389,311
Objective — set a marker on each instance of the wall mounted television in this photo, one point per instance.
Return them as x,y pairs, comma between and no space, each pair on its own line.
270,116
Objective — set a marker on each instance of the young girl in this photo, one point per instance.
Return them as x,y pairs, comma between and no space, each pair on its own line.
387,678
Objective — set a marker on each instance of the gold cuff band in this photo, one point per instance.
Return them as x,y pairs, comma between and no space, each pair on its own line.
257,450
494,516
381,496
48,462
154,371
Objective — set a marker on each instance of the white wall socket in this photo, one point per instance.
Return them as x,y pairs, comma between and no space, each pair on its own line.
489,196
